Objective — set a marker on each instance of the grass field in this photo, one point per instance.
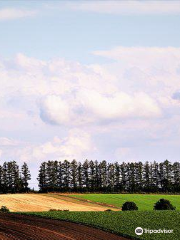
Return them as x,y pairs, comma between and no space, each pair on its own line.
143,201
124,223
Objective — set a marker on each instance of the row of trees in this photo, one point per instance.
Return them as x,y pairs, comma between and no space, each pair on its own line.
94,176
13,179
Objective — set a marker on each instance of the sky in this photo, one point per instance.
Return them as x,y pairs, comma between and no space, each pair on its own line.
89,80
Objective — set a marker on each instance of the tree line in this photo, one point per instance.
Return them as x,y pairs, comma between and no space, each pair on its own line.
13,179
94,176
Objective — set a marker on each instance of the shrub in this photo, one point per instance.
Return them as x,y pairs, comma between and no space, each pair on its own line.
163,204
4,209
107,210
52,210
59,210
129,206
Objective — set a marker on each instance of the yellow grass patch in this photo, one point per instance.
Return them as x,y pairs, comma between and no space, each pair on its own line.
45,202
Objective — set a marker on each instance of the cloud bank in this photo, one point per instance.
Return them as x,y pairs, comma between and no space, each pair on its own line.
135,94
127,7
15,13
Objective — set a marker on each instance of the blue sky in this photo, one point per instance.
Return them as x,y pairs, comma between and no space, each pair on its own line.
58,32
96,80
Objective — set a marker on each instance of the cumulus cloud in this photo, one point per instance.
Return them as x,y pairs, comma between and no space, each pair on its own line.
76,145
92,107
138,85
54,110
116,106
15,13
150,69
120,105
127,7
133,92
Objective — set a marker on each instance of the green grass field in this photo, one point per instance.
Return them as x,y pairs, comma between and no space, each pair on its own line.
143,201
124,223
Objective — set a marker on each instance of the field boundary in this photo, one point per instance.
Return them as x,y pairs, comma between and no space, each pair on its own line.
93,202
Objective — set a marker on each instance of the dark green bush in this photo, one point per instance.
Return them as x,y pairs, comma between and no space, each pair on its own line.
129,206
163,204
4,209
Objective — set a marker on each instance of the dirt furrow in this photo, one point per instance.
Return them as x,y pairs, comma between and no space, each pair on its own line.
21,227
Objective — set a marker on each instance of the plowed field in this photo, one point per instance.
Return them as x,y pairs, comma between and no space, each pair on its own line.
19,227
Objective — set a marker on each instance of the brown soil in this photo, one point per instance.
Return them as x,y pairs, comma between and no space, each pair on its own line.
20,227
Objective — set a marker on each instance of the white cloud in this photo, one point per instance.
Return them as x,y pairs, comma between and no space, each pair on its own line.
89,106
138,85
149,69
54,110
28,63
137,55
136,88
120,105
15,13
4,141
127,7
77,145
130,96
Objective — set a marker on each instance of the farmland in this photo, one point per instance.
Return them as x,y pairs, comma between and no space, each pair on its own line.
45,202
124,223
22,227
143,201
89,209
81,202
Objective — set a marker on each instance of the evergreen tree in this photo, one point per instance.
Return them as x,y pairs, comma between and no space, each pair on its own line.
10,178
166,181
103,175
117,180
176,176
146,177
79,177
97,176
111,177
51,175
92,176
139,176
16,180
74,175
155,176
5,179
59,177
132,185
25,176
123,168
85,175
42,177
66,175
1,179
